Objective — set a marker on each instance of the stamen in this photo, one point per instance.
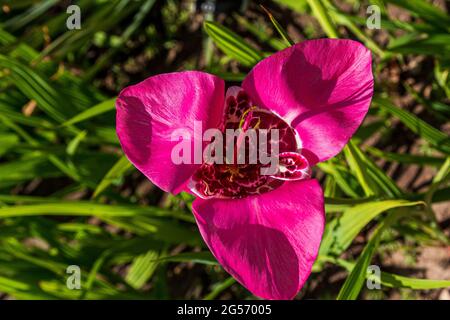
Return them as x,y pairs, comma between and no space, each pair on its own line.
246,118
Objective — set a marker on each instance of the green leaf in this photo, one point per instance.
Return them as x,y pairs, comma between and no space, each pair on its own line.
344,179
204,257
161,229
35,87
19,118
426,11
26,169
372,178
331,204
343,19
427,44
23,290
261,34
27,17
232,44
324,18
104,17
438,139
7,141
443,172
116,172
406,158
359,167
341,231
397,281
279,28
98,264
219,288
441,177
142,269
84,208
72,146
392,280
131,29
96,110
300,6
354,282
25,199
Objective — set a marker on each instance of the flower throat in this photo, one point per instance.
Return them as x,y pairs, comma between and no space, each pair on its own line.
239,178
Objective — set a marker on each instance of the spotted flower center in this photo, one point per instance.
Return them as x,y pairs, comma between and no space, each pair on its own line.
236,180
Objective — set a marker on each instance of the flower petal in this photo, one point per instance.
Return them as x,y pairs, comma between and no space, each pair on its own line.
323,88
267,242
149,112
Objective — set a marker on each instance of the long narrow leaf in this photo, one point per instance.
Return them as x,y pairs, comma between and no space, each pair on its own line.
232,44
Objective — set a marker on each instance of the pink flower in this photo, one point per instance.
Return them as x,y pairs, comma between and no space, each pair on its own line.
264,230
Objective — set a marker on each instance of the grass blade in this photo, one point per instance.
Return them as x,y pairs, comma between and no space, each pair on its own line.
232,44
435,137
341,232
96,110
279,28
324,18
116,172
142,269
354,282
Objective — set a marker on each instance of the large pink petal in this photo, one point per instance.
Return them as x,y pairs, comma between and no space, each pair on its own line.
267,242
322,87
149,112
